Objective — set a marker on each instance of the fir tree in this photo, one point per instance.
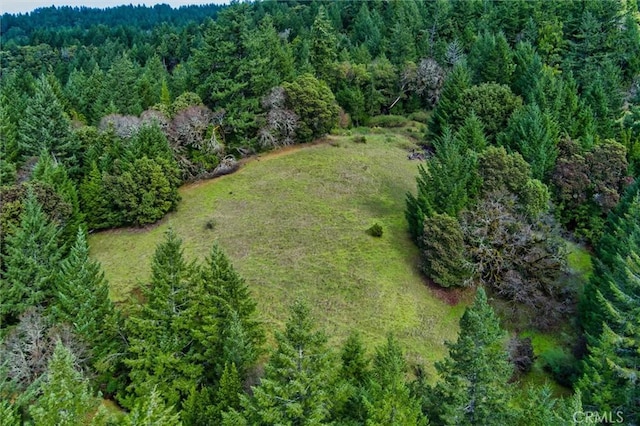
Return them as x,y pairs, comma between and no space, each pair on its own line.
296,387
82,300
45,125
474,388
30,262
150,409
66,396
387,399
455,85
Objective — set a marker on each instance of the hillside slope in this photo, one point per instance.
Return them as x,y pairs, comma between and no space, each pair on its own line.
293,223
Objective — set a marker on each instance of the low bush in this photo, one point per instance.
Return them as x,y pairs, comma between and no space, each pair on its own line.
420,116
375,230
388,121
561,365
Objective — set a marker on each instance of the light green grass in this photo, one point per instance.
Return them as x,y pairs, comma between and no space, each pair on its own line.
294,225
579,260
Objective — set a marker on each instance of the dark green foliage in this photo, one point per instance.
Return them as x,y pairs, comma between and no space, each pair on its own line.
375,230
52,173
562,366
45,125
443,251
492,59
313,102
160,332
297,384
445,112
82,301
231,333
387,399
471,134
30,263
534,134
492,103
474,388
323,45
446,184
609,315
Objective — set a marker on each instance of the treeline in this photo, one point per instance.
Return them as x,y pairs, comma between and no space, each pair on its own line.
189,354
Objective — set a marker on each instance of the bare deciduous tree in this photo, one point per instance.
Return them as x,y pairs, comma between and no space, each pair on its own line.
27,349
281,123
521,262
124,126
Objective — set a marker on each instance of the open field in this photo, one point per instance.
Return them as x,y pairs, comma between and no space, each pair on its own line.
293,222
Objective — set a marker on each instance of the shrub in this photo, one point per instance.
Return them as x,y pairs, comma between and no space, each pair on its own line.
210,224
388,121
563,366
420,116
359,139
375,230
521,354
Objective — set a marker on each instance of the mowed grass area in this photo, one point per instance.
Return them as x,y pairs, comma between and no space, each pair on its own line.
293,223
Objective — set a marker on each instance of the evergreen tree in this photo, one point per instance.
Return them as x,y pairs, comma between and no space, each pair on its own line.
50,172
534,134
447,184
66,396
297,384
491,59
44,125
223,317
82,300
471,134
443,253
150,409
454,86
353,376
474,388
387,397
323,45
160,334
30,263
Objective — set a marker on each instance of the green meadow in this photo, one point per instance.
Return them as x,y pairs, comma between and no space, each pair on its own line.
294,224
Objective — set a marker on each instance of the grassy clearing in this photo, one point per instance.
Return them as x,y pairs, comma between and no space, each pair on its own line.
294,223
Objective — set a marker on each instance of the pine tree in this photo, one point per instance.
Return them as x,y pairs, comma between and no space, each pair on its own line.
223,316
474,388
491,59
388,400
454,86
534,134
30,262
160,334
446,184
297,385
323,45
150,409
45,125
443,251
471,134
49,171
94,201
66,396
82,300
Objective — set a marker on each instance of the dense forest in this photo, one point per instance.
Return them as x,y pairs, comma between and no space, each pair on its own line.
531,111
